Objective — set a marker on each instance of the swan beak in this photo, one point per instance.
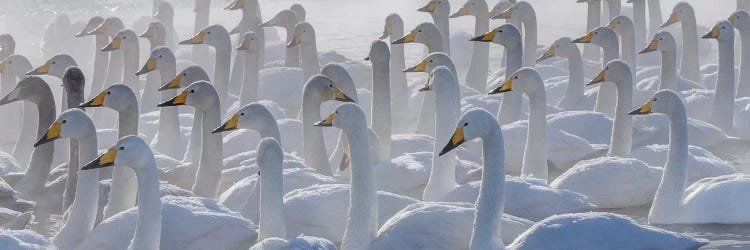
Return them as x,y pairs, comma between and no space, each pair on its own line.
53,133
612,25
11,97
429,8
418,68
176,101
102,28
2,67
643,110
235,5
82,33
44,69
547,55
732,20
98,101
714,33
297,40
230,125
340,96
149,33
408,38
652,46
507,86
461,12
196,39
674,18
245,45
105,160
456,140
585,39
486,37
387,31
505,15
601,77
148,67
173,84
113,45
328,122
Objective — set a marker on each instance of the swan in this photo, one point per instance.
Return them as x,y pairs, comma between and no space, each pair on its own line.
575,97
394,27
286,19
500,7
440,11
271,226
426,123
156,34
7,45
304,37
202,95
189,75
743,5
623,26
639,22
101,59
200,53
131,52
593,20
380,56
741,21
690,64
525,14
509,37
192,222
75,124
7,83
722,112
665,43
165,15
217,36
251,21
15,67
476,77
252,49
424,33
607,39
109,28
710,200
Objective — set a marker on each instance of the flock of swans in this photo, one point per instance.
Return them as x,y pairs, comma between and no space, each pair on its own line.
224,149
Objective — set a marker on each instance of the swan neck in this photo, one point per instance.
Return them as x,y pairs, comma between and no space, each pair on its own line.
668,70
131,56
128,121
315,154
530,40
249,92
381,106
309,59
654,16
639,22
690,65
271,223
535,153
723,110
576,86
670,193
363,202
743,89
209,168
622,128
443,174
148,225
222,68
491,199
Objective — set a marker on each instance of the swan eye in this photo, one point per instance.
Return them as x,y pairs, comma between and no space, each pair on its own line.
54,62
596,33
466,124
431,61
330,86
184,74
124,37
109,93
258,173
64,121
661,38
242,113
607,68
654,99
160,56
192,91
723,27
208,33
10,62
337,112
515,77
122,148
419,30
500,30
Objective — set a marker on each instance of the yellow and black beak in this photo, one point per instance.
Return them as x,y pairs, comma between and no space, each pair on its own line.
42,70
643,110
245,45
714,33
505,15
601,77
461,12
387,31
547,55
296,40
53,133
105,160
328,122
196,39
102,28
429,8
456,140
113,45
175,101
585,39
98,101
420,67
173,84
148,34
340,96
408,38
148,67
652,46
486,37
507,86
612,25
732,20
674,18
230,125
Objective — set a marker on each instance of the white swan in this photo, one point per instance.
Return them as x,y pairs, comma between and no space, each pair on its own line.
710,200
304,37
251,21
623,26
156,34
101,59
217,36
127,42
252,49
476,77
639,22
574,97
690,64
741,21
524,12
593,20
394,27
722,111
165,15
509,37
439,11
109,27
200,53
13,69
607,39
286,19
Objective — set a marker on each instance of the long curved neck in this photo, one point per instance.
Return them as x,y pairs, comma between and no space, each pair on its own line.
443,174
222,68
309,58
211,162
31,185
622,129
690,64
271,223
529,40
148,225
576,86
435,43
399,93
315,153
491,200
101,59
476,77
443,25
510,107
605,102
128,120
593,20
381,105
363,202
669,194
743,88
115,71
639,22
131,54
74,98
614,8
249,92
535,153
611,48
668,70
627,37
654,17
723,110
169,126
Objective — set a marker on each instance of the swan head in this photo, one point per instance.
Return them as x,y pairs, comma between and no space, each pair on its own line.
164,11
379,53
740,20
55,66
346,116
663,102
29,89
597,36
437,8
430,62
471,8
304,34
506,34
438,79
191,74
284,18
16,65
248,117
501,6
563,47
475,123
299,11
723,30
324,89
123,36
526,80
663,41
679,12
517,11
154,32
269,154
116,96
161,57
7,44
110,26
341,79
200,94
130,151
420,34
72,123
620,24
391,21
615,71
90,26
248,43
211,35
